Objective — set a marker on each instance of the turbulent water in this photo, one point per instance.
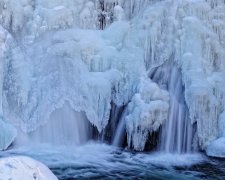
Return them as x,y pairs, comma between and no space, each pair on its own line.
97,161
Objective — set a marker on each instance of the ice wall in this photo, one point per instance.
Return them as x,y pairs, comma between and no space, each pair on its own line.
191,33
203,66
90,53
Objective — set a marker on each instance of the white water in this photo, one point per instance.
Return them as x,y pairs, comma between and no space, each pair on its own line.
64,127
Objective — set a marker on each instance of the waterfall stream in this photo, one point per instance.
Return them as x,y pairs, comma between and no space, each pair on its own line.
177,132
120,131
64,127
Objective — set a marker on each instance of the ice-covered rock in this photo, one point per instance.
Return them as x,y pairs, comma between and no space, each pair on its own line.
216,148
21,167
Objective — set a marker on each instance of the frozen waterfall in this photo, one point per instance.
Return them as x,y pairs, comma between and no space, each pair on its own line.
70,68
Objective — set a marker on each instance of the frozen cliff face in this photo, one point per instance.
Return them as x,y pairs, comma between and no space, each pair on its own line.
65,64
203,66
191,33
90,53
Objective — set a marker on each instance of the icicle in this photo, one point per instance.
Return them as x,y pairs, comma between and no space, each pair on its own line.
147,110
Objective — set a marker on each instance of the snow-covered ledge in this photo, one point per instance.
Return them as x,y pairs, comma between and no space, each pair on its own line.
20,167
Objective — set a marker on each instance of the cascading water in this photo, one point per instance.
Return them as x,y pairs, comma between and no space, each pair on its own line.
177,132
120,131
64,127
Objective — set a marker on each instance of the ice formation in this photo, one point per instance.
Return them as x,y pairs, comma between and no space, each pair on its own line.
90,53
21,167
146,112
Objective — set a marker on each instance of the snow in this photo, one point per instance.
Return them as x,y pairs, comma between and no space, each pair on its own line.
21,167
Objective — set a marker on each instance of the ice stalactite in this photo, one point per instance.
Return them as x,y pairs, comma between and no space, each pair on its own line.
99,14
15,14
197,30
89,16
146,112
159,33
201,63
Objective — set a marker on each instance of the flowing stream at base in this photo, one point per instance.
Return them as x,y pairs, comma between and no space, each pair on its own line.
101,161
